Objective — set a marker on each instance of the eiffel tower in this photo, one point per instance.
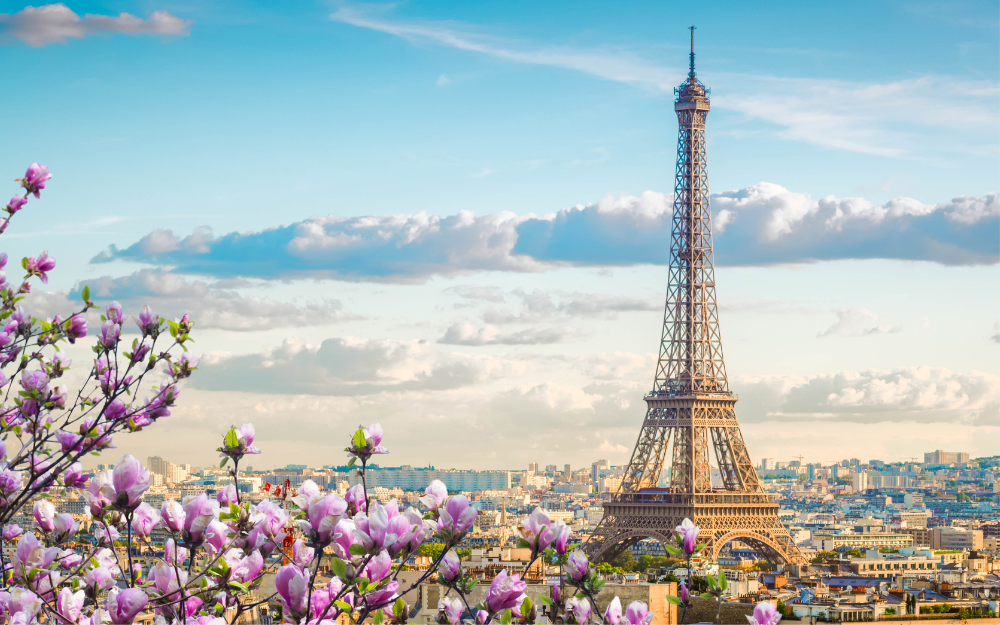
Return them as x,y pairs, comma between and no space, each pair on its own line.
690,410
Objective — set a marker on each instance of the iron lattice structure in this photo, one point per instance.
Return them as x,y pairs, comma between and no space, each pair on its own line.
690,411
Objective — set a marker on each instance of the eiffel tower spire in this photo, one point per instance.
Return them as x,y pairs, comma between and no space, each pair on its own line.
690,412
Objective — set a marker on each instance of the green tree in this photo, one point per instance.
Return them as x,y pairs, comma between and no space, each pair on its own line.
626,561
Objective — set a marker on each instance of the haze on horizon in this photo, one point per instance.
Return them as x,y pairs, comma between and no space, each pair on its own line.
453,219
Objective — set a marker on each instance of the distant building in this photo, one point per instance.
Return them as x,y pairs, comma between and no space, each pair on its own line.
945,457
956,538
829,541
409,478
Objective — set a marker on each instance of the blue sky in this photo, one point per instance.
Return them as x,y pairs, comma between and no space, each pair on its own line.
451,214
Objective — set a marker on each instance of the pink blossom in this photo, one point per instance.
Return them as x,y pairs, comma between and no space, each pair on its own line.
613,613
124,605
764,614
130,481
451,609
579,608
457,516
40,265
637,613
451,566
435,495
69,605
687,536
144,519
293,586
172,515
16,203
35,178
45,514
577,565
506,591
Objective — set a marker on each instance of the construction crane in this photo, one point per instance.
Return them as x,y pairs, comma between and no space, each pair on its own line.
800,457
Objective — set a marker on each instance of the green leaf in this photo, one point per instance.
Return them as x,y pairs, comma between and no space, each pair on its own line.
24,263
377,619
343,605
722,580
674,600
398,607
707,595
523,544
359,439
339,568
86,294
358,550
546,600
232,439
711,581
350,463
224,461
505,617
526,605
674,550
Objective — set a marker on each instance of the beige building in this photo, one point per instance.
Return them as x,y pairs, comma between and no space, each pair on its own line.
825,541
955,538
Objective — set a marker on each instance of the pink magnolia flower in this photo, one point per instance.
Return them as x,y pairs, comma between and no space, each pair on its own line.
249,567
637,613
172,515
12,532
764,614
451,566
44,513
31,554
613,613
506,591
579,609
65,526
35,178
173,554
577,565
381,527
69,605
227,495
16,203
302,555
270,518
74,477
216,536
144,519
540,531
114,313
293,587
124,605
109,333
435,495
688,535
130,481
451,609
457,516
355,498
147,321
198,513
322,514
40,265
100,578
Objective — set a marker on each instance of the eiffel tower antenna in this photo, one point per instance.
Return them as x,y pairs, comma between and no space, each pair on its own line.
691,412
691,73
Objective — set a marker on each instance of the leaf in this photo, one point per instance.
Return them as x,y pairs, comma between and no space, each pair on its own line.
377,619
224,461
674,600
232,439
398,607
707,595
523,544
674,550
86,294
339,568
505,617
359,439
350,463
526,605
722,580
545,599
343,605
358,550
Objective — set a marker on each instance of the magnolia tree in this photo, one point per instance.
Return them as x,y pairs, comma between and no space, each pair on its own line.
211,567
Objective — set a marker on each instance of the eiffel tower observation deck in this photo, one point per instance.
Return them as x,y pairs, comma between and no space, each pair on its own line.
690,412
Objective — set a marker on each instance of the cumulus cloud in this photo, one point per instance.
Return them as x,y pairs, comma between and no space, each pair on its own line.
349,367
539,305
54,23
858,322
466,334
913,394
172,295
765,224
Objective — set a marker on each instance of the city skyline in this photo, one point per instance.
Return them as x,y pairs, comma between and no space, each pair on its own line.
480,266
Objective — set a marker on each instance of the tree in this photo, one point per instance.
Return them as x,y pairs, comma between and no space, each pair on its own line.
626,561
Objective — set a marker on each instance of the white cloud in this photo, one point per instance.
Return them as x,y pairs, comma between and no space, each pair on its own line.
466,334
871,118
54,23
765,224
858,322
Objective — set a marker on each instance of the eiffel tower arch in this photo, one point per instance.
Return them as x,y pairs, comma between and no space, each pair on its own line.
691,413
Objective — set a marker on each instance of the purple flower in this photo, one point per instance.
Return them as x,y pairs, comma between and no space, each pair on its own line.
16,203
579,609
35,381
45,514
373,529
99,494
35,178
172,515
540,532
249,567
9,481
451,609
343,538
216,535
435,495
100,578
687,536
198,513
764,614
130,481
144,519
172,554
355,498
270,518
238,442
109,333
124,605
40,265
115,410
577,565
302,555
637,613
457,516
323,514
367,442
683,593
114,313
65,526
147,321
227,495
12,532
293,586
613,614
31,554
451,566
69,559
506,591
70,604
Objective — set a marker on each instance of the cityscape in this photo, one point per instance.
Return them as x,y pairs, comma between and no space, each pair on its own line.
355,342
